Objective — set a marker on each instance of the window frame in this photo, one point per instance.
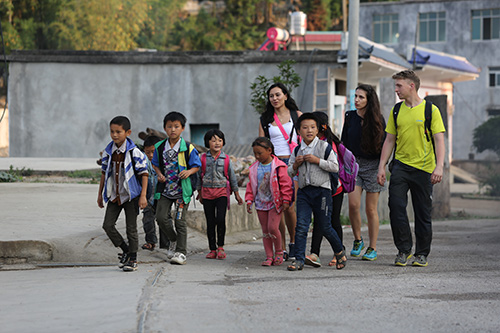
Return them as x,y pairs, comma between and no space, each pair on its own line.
494,73
439,30
485,22
390,21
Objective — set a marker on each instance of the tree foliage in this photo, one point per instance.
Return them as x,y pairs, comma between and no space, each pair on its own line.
287,76
487,135
122,25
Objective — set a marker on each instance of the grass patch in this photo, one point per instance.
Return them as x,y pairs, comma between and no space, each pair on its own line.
14,175
85,174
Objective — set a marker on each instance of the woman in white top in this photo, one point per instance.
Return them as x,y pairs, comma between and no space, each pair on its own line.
281,105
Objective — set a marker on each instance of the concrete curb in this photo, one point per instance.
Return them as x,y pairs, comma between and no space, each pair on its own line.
22,251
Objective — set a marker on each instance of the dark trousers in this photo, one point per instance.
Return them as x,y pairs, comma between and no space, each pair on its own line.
317,236
215,213
111,216
315,200
149,226
166,218
404,178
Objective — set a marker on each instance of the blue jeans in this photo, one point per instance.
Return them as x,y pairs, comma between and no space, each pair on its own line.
317,200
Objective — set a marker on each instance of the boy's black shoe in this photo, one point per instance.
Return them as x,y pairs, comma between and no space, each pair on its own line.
123,259
130,266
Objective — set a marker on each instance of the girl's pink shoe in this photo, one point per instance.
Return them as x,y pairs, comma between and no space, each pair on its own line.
220,253
278,259
267,262
211,255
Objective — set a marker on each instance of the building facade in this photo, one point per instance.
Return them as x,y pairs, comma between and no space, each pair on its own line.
468,28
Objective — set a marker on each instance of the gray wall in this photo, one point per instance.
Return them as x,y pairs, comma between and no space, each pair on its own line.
61,102
471,98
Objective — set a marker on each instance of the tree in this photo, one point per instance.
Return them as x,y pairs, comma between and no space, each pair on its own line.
159,23
200,33
112,25
287,76
243,24
487,136
318,16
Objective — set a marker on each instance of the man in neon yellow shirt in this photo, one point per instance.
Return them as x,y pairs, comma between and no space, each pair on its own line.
417,168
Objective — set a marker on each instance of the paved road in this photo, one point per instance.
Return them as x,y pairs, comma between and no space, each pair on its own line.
457,292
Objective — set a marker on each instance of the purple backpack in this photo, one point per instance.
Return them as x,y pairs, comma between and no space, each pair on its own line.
348,168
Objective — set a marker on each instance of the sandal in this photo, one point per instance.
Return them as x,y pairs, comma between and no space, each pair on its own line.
341,259
220,253
267,262
211,255
278,259
295,266
149,246
333,262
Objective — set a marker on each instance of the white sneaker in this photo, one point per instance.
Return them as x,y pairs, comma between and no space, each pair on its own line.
178,259
171,250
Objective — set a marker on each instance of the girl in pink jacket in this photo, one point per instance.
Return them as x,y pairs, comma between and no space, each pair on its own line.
270,188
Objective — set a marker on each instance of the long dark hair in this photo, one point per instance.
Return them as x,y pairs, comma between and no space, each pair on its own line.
268,115
373,123
324,128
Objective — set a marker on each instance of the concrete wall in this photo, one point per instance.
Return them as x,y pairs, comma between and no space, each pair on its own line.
61,102
471,98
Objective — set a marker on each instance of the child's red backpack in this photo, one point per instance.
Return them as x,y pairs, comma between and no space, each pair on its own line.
348,168
226,174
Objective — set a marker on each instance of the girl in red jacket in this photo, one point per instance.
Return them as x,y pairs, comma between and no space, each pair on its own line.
270,188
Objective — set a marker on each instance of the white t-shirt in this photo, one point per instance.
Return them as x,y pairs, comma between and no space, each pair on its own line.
281,147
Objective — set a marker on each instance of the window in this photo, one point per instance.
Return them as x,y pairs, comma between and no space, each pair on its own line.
494,77
432,27
385,28
486,24
492,112
198,132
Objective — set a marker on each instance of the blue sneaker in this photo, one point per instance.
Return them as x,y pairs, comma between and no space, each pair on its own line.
370,254
357,246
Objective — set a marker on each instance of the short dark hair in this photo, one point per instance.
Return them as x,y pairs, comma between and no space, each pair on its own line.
175,116
308,115
263,142
121,121
151,140
408,75
211,133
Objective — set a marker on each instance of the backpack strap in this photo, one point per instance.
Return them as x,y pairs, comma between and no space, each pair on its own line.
203,160
395,112
428,122
296,151
328,150
265,127
187,153
226,167
295,119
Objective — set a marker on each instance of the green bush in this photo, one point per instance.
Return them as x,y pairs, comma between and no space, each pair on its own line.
487,135
494,183
6,177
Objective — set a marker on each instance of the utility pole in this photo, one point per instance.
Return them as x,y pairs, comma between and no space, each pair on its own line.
352,52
